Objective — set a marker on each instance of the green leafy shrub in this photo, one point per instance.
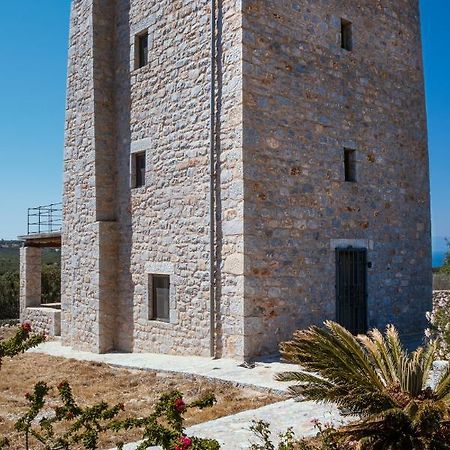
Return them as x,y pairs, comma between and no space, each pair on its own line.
165,427
326,439
84,425
373,377
22,341
439,328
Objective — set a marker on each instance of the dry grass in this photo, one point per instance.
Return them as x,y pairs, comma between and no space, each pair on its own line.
7,332
93,382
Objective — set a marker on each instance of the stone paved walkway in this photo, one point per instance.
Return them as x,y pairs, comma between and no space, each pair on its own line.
233,432
262,376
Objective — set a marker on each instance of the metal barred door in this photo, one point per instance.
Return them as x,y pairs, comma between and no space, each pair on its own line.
351,289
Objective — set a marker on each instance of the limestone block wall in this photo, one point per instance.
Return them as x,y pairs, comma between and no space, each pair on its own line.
88,284
30,278
163,109
305,100
289,99
44,320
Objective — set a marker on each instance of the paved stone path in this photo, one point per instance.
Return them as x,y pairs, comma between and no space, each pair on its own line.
262,376
233,432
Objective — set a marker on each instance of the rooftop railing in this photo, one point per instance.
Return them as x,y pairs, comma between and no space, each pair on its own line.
45,219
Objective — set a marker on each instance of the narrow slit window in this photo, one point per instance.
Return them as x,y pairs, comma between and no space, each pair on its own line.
346,35
139,169
160,301
350,165
142,50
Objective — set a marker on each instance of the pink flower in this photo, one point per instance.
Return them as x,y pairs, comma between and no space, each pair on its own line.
186,441
179,404
26,326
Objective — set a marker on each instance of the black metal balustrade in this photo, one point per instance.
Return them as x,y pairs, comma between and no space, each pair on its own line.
45,219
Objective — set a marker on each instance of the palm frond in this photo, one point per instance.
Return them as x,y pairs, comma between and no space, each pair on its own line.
395,348
364,374
376,347
442,389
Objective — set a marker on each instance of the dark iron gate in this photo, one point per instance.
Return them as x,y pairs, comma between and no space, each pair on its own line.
351,289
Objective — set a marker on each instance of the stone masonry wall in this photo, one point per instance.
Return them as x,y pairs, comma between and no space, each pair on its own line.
164,226
290,100
114,237
88,277
44,320
30,278
305,100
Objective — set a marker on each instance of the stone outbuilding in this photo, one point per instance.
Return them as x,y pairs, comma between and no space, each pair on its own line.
238,169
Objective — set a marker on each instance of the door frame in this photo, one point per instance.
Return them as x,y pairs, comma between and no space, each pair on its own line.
360,256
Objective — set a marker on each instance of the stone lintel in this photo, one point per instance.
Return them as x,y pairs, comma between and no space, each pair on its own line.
42,240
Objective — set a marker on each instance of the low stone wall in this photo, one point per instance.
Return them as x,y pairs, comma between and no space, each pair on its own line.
44,320
441,282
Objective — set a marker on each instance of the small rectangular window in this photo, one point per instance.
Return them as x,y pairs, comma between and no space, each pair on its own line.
142,50
350,165
346,35
160,301
139,170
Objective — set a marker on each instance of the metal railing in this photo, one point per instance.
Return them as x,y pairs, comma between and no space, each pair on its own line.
45,219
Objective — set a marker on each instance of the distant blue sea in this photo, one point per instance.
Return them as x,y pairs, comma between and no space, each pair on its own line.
438,259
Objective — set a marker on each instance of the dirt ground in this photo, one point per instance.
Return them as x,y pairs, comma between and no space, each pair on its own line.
94,382
6,332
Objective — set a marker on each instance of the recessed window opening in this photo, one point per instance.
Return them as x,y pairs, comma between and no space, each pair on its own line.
160,301
139,169
350,165
142,50
346,35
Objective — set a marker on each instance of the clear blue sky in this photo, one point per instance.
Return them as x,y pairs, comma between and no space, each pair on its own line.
33,48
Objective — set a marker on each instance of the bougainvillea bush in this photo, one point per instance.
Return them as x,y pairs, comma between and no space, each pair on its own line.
81,427
22,341
439,318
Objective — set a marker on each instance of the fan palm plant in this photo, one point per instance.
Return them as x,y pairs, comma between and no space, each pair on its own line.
372,376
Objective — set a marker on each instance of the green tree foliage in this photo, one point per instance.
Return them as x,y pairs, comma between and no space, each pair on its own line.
372,376
51,283
9,295
9,290
445,269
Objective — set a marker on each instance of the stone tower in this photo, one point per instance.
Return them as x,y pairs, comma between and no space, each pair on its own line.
221,193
